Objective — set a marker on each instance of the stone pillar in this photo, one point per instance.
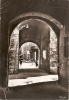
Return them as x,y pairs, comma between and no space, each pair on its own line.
53,51
13,51
63,70
44,59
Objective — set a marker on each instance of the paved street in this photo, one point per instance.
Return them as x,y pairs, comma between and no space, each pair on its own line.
33,84
32,80
39,91
30,76
27,65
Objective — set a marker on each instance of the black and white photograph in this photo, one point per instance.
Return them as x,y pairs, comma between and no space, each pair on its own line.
34,49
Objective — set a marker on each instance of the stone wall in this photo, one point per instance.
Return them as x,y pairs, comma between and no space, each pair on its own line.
63,66
13,51
44,53
53,51
49,45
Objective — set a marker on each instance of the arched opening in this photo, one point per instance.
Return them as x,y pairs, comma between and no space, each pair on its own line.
29,56
40,32
25,42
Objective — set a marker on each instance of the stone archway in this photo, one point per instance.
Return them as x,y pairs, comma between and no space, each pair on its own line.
30,54
51,21
41,37
38,15
36,37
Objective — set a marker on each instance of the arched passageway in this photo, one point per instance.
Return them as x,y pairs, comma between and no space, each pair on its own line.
29,56
39,32
42,34
13,13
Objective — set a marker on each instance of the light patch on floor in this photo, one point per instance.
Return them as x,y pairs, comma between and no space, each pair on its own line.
32,80
27,65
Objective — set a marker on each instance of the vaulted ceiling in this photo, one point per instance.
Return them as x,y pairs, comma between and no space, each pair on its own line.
13,8
37,29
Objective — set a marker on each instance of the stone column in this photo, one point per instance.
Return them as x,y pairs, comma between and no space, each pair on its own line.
13,51
63,69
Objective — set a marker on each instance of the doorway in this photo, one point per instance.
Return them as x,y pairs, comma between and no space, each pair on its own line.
29,56
22,48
